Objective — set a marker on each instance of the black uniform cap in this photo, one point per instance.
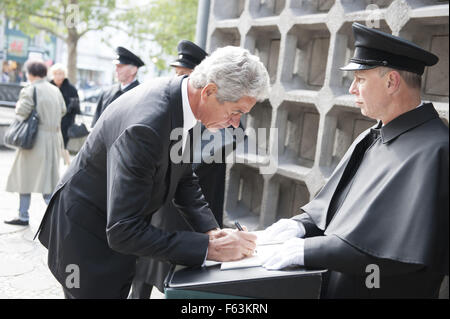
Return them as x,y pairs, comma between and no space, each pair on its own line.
374,48
125,56
189,55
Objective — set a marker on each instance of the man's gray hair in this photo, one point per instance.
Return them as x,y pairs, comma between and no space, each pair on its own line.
236,72
413,80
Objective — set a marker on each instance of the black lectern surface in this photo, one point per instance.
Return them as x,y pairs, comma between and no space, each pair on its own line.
255,282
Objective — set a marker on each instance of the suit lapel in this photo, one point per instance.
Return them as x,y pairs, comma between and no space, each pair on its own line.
176,109
131,86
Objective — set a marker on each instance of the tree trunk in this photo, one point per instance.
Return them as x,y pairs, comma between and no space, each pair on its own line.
72,42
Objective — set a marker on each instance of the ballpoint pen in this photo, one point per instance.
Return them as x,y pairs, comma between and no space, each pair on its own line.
238,226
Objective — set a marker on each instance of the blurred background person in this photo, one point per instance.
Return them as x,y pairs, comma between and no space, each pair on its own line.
58,73
37,170
5,73
127,65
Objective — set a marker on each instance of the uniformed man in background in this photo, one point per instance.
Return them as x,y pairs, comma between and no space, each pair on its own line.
127,65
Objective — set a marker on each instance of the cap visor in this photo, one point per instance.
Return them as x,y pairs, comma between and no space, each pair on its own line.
182,64
356,66
176,63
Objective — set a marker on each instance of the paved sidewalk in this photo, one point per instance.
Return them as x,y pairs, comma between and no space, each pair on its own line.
23,262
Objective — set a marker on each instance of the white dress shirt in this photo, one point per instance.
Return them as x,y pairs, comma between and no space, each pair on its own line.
189,122
189,119
123,87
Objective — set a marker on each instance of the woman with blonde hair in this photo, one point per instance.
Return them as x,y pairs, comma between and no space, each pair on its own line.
36,170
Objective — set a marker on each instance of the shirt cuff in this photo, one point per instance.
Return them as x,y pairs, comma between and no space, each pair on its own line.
204,261
301,257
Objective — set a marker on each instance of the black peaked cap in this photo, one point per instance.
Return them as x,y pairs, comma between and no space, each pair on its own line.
125,56
374,48
189,55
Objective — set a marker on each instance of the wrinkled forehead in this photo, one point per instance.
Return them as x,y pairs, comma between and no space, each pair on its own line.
246,103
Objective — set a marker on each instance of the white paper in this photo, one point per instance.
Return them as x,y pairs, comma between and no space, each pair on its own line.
253,261
263,248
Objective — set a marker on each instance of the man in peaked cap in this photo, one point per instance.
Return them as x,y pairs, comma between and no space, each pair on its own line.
127,65
380,223
189,56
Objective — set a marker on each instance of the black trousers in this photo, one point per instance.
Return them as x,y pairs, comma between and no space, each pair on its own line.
123,294
67,294
140,290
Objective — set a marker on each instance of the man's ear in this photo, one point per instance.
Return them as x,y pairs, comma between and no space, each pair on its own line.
393,81
209,90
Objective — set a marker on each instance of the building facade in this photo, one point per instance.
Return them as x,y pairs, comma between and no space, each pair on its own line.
303,43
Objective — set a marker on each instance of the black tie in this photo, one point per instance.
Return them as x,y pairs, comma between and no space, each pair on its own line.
350,170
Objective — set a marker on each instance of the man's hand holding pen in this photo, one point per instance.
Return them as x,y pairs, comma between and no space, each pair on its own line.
230,244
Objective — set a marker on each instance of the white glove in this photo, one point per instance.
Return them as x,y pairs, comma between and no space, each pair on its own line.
291,253
281,231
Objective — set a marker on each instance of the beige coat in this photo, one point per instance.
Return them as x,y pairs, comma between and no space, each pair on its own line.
37,170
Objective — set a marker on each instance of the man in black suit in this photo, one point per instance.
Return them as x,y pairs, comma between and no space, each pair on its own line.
127,65
98,220
211,176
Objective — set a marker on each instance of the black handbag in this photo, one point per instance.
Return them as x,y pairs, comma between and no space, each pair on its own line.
76,131
23,133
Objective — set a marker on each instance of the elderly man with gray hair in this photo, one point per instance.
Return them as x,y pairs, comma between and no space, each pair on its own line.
98,220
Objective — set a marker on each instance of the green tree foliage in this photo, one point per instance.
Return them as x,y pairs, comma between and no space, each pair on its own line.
69,20
163,22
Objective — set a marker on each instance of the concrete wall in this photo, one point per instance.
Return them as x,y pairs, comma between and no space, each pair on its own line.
302,43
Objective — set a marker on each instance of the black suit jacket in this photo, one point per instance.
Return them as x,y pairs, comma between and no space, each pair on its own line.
212,182
99,215
108,96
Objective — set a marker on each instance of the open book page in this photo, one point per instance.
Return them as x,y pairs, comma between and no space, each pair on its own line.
210,263
263,249
261,240
253,261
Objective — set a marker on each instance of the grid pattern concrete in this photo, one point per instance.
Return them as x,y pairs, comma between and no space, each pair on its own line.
303,43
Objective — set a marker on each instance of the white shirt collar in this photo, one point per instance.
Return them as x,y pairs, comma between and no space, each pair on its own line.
123,87
189,119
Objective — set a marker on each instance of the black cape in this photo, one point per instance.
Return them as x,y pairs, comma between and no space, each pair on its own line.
397,207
